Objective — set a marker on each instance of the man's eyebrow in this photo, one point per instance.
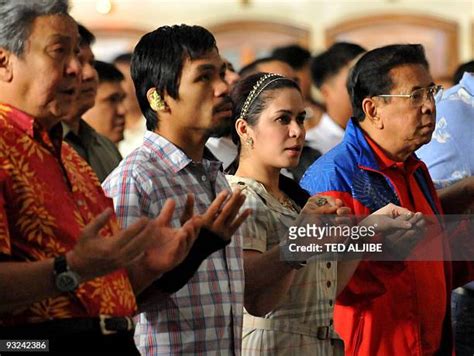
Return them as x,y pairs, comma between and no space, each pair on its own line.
420,87
205,67
61,37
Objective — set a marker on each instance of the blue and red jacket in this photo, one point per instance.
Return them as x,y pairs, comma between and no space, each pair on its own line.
378,313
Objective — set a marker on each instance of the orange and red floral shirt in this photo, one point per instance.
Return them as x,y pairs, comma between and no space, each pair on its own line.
48,194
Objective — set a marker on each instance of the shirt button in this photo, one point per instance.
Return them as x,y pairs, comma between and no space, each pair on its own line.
81,202
203,178
328,265
330,303
328,283
331,321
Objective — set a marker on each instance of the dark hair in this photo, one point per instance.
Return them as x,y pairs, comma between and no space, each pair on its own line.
108,72
252,67
158,59
123,58
87,38
329,63
296,56
241,91
371,74
465,67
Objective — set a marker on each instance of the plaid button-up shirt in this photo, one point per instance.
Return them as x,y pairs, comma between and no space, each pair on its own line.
205,316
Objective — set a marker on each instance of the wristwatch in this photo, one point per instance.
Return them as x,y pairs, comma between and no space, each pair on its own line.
65,279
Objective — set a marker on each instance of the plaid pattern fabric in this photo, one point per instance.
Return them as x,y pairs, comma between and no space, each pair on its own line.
290,328
205,316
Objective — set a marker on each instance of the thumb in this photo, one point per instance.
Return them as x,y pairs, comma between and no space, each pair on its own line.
92,229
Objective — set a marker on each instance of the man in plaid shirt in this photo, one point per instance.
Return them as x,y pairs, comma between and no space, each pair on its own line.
179,80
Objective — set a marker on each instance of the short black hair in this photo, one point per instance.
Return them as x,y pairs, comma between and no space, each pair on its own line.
251,68
465,67
123,58
87,38
295,55
329,63
158,59
371,74
108,72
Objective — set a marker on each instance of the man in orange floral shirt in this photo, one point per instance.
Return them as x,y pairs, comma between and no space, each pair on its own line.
62,258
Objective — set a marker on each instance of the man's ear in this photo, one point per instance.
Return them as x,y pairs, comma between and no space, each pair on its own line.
6,71
372,112
324,90
156,101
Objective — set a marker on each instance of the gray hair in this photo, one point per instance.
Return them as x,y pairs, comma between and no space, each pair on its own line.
17,17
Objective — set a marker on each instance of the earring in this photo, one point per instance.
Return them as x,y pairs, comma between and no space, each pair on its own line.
156,102
249,142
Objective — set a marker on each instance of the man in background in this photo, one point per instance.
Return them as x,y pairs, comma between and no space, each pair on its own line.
107,116
101,153
299,59
135,123
330,70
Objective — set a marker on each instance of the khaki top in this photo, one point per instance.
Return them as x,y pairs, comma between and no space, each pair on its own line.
293,326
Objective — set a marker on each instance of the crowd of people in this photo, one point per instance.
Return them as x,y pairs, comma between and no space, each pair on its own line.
145,203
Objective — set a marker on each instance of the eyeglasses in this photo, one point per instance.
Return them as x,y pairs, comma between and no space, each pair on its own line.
418,96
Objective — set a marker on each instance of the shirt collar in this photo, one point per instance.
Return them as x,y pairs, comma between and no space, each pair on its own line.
467,82
28,124
172,156
386,162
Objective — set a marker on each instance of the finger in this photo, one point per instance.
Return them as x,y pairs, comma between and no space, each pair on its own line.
215,206
417,217
343,220
126,235
343,211
238,221
398,210
393,224
188,209
166,213
93,228
231,209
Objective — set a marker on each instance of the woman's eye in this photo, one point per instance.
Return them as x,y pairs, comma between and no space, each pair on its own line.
283,120
300,119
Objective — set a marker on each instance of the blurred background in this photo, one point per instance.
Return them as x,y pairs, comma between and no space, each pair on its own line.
250,29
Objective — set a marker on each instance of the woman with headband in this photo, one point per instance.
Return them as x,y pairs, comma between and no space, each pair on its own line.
289,305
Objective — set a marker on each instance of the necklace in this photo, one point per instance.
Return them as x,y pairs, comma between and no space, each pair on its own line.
286,202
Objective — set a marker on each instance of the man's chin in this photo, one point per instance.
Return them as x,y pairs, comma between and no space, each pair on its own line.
221,128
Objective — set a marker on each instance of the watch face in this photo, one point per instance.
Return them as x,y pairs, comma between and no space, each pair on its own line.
67,281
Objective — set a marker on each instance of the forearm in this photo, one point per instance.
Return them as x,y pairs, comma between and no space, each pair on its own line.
139,277
24,283
170,281
267,280
457,198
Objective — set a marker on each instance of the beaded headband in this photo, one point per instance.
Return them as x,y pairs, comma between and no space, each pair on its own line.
257,90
